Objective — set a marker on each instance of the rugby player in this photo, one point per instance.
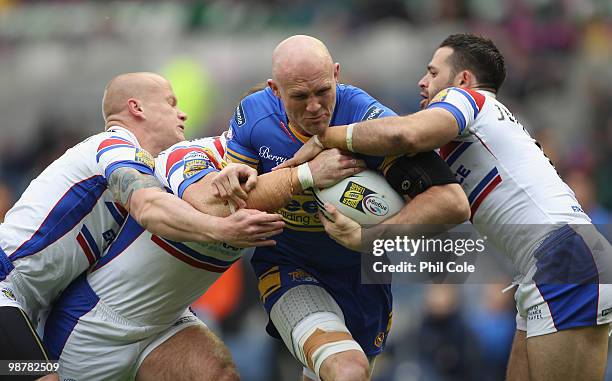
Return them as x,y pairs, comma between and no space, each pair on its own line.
562,329
111,323
310,285
70,214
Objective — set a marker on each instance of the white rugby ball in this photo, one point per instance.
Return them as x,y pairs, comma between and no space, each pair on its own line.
366,198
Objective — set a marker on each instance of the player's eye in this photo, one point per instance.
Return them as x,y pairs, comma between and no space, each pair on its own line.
299,97
323,92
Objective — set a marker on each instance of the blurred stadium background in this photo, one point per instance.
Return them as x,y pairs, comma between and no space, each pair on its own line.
56,57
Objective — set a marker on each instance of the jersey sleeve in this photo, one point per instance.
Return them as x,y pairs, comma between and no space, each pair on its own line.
463,104
118,149
239,147
181,166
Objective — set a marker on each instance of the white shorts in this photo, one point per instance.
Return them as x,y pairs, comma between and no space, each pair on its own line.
548,305
93,342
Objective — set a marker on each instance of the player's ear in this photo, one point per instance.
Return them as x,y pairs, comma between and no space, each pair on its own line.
274,86
336,71
135,107
466,79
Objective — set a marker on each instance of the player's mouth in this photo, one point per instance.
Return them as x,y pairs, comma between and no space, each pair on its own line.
318,118
182,127
423,103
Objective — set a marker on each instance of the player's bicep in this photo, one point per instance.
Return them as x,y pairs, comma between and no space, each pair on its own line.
412,175
124,181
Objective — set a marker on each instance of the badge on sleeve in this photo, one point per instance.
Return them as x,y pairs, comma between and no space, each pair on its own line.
144,157
195,162
440,97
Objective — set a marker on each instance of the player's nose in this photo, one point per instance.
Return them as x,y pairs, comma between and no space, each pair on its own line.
182,116
313,105
423,82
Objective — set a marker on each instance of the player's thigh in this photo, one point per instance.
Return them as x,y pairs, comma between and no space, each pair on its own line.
518,364
572,354
312,327
192,353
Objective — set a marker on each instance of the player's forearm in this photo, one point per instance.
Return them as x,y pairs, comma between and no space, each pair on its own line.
170,217
438,205
420,132
274,190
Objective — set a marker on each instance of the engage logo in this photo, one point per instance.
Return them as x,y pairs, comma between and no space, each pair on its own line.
375,205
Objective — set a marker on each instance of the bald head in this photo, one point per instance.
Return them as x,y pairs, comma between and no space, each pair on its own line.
300,55
129,85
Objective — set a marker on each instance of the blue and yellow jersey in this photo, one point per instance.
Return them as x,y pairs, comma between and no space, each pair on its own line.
261,136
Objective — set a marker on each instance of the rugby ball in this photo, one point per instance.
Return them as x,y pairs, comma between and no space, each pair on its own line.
366,198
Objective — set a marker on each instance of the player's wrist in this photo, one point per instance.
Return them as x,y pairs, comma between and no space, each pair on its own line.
349,137
334,137
304,176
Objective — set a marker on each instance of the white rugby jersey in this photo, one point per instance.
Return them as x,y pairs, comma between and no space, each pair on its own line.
149,279
509,181
67,217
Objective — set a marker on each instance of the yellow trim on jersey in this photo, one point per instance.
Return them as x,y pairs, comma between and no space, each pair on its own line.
269,282
388,162
271,270
234,157
301,137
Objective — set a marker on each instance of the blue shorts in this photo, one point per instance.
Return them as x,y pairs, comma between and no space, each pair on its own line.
367,308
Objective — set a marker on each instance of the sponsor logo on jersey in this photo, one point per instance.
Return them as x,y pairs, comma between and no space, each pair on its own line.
301,213
380,338
264,153
373,113
239,116
8,293
364,200
440,97
194,162
144,157
109,236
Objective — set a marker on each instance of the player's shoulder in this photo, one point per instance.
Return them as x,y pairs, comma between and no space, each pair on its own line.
346,92
450,94
255,107
209,149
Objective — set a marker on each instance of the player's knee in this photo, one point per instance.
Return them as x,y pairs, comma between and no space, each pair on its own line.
346,366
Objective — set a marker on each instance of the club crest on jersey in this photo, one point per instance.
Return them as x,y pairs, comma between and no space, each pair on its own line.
364,200
373,113
195,162
441,96
380,338
144,157
239,116
300,275
8,293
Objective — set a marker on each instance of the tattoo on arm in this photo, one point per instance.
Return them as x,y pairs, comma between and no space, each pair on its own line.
125,181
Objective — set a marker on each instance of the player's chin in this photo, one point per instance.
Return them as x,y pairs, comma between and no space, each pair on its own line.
423,103
318,127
